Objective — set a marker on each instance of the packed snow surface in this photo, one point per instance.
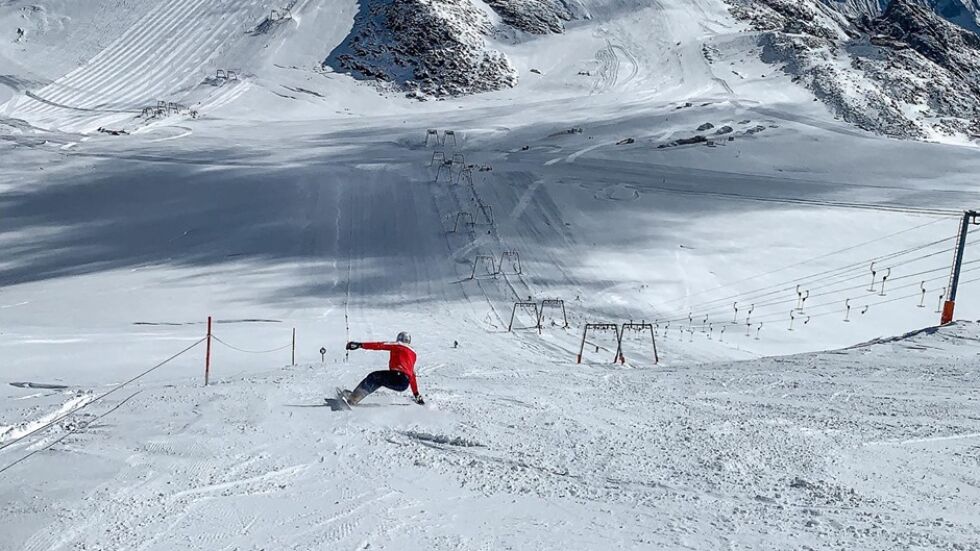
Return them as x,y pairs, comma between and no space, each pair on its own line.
874,447
166,162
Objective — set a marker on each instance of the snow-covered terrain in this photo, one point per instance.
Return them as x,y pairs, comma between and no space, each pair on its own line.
904,68
166,162
806,451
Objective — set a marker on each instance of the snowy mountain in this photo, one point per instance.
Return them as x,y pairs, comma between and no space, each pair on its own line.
965,13
660,295
439,48
430,47
899,69
535,16
905,68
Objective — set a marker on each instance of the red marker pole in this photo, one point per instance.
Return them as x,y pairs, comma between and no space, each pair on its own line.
207,356
969,217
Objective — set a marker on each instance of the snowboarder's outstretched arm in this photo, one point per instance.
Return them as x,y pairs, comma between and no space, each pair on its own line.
377,345
354,345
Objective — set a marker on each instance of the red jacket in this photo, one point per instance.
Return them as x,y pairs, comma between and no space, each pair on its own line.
402,359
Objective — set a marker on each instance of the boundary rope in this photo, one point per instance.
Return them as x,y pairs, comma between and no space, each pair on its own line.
65,415
70,432
281,348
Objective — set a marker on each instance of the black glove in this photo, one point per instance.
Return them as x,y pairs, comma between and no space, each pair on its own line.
353,345
419,400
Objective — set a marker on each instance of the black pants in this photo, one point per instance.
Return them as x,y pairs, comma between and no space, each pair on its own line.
395,380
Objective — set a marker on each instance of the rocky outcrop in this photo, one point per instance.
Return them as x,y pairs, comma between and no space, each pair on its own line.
791,17
907,24
941,62
533,16
903,71
965,13
426,48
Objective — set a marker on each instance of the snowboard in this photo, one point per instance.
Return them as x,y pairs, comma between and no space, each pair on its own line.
341,399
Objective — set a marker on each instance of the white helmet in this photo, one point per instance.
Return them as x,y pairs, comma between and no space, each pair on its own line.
404,337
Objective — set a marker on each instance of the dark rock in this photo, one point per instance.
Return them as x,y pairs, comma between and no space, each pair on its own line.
902,52
426,48
533,16
691,141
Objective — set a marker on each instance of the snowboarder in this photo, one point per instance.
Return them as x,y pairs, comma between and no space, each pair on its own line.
399,376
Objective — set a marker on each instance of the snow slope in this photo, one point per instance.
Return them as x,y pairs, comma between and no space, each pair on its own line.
302,198
165,54
812,450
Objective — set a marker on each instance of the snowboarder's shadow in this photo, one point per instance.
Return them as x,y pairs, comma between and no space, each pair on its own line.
336,404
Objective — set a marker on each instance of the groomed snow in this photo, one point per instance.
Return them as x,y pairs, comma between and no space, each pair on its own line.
868,448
